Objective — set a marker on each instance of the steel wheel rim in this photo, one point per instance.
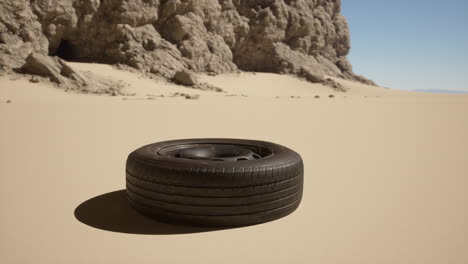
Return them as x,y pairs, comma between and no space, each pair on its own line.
216,152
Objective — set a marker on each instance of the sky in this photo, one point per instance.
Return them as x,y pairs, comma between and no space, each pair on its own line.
410,44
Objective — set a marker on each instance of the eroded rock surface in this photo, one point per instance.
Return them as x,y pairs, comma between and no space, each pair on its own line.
309,38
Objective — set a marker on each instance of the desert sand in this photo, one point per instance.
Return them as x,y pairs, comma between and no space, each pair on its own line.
386,171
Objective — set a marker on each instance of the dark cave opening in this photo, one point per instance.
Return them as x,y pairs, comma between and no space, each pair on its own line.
64,51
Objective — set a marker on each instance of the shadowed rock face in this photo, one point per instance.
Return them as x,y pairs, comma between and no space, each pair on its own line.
309,38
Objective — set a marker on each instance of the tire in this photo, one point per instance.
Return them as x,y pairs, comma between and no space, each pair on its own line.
215,182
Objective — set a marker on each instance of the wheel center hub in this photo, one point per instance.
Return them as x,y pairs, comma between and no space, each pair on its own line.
214,152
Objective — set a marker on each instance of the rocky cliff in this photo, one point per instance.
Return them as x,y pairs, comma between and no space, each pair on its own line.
309,38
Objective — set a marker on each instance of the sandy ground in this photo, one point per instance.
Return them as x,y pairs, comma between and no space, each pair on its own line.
386,172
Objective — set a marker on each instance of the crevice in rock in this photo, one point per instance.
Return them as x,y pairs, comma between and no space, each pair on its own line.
64,51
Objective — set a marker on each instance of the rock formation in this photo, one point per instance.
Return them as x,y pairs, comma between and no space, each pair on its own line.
309,38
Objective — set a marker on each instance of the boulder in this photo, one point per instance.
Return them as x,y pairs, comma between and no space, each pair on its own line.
45,66
53,68
185,77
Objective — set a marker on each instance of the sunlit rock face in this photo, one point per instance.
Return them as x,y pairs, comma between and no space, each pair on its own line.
309,38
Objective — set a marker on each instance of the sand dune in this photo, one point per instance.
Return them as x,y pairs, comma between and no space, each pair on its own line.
386,172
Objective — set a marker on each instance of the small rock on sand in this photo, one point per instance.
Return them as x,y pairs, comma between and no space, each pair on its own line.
186,96
34,79
185,77
208,87
192,97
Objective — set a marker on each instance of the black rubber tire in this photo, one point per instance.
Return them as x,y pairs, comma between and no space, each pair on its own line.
214,201
145,163
214,193
215,221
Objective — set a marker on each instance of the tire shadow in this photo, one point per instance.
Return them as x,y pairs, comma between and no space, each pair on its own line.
112,212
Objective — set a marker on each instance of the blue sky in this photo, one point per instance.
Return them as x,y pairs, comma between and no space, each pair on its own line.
410,44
